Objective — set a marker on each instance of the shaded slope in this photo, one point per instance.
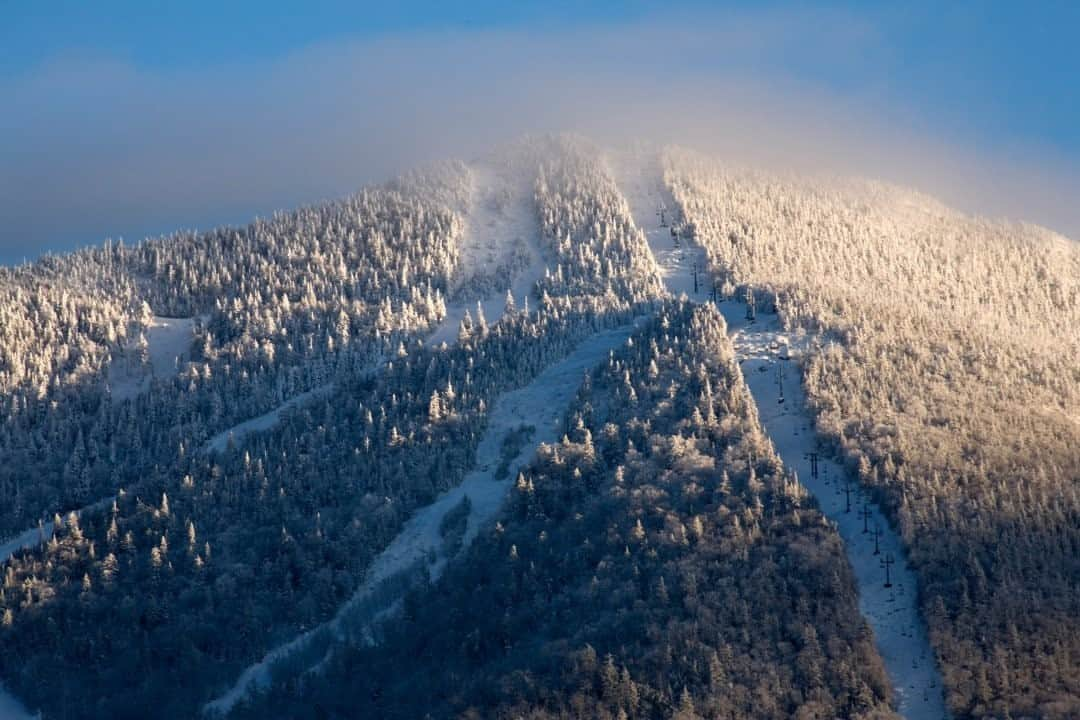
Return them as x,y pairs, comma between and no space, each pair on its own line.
654,563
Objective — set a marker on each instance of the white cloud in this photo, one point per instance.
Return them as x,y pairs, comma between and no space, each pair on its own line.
92,147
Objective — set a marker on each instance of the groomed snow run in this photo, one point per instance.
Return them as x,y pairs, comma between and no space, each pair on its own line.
640,179
500,216
769,358
12,709
263,422
541,404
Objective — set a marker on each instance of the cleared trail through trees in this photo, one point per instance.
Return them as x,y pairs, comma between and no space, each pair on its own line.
500,248
893,612
639,177
500,217
12,709
769,357
267,420
421,550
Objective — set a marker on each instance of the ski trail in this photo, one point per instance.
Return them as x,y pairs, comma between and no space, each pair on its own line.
12,709
42,534
419,546
267,420
640,180
769,357
499,221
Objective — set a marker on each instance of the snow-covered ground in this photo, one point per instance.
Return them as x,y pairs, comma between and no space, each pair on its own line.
542,404
12,709
639,177
168,339
768,356
267,420
500,216
893,612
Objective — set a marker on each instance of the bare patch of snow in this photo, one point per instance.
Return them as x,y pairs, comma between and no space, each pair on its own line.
168,341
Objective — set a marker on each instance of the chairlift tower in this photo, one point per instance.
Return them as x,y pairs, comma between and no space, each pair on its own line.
876,532
886,563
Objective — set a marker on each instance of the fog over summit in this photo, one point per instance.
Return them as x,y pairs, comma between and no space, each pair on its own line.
97,146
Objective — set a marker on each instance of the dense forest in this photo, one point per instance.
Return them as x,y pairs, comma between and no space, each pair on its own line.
283,305
947,377
657,562
275,533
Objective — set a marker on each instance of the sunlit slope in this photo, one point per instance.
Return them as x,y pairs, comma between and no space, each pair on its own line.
950,381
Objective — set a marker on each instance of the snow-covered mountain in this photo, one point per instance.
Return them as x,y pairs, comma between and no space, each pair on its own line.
562,431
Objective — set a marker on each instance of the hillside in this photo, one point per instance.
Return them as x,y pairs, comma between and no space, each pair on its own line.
946,379
455,446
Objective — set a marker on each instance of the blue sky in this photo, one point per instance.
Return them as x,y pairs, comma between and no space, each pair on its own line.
133,118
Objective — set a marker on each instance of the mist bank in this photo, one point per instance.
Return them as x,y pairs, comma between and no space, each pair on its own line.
95,148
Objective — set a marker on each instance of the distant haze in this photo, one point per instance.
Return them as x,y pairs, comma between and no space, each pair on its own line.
92,147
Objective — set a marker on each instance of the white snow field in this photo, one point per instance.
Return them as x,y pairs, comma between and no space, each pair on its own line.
769,356
500,218
541,404
168,340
